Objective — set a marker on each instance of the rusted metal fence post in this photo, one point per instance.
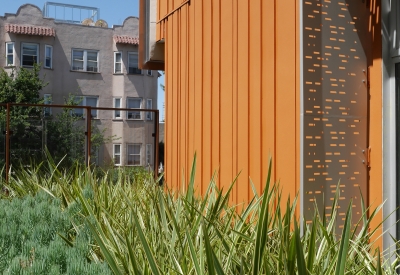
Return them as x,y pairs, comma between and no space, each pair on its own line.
88,134
8,142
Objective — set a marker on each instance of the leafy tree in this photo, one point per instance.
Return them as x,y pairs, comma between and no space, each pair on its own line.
63,134
22,86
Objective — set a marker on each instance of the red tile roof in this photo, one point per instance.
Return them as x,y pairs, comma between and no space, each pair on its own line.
29,29
124,39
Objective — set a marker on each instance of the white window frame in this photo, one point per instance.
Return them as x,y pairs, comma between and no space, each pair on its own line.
119,163
133,154
117,114
116,62
149,154
22,53
135,67
149,105
48,57
80,111
10,54
133,115
47,100
85,61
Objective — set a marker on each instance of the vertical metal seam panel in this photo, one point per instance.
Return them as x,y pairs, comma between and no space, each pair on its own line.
179,88
275,94
301,116
242,99
236,107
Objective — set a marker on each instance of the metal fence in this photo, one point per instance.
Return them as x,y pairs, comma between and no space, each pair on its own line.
68,133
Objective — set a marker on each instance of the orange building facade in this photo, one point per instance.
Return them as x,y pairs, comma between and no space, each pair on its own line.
300,82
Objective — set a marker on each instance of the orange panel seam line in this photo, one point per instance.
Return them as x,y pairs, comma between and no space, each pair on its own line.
301,90
261,95
248,101
237,105
275,76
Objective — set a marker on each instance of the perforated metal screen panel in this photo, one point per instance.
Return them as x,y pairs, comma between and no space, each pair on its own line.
335,106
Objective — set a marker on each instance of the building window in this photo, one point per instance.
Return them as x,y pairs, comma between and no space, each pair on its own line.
10,54
149,154
85,60
149,105
133,103
133,62
133,154
149,72
94,155
29,54
86,101
48,52
117,154
47,100
117,104
117,62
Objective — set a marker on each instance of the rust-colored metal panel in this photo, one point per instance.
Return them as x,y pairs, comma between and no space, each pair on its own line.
183,37
168,154
285,69
242,79
268,76
191,75
234,193
375,115
226,172
216,84
163,9
335,106
254,93
207,169
231,91
173,20
198,92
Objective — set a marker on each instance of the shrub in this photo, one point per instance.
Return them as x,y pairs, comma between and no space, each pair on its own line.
141,228
29,240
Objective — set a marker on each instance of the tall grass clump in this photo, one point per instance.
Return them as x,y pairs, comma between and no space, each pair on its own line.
139,227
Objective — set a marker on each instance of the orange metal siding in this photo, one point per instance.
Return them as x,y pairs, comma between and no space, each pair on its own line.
233,96
375,115
232,92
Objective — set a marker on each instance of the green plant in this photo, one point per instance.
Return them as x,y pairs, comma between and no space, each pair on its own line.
150,231
139,228
29,241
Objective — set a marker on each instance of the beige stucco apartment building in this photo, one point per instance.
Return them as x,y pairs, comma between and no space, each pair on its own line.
98,64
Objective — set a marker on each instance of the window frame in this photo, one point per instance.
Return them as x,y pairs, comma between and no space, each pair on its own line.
45,56
12,54
85,60
115,63
115,106
83,110
149,154
129,112
149,115
47,99
149,72
136,69
119,154
22,53
127,154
